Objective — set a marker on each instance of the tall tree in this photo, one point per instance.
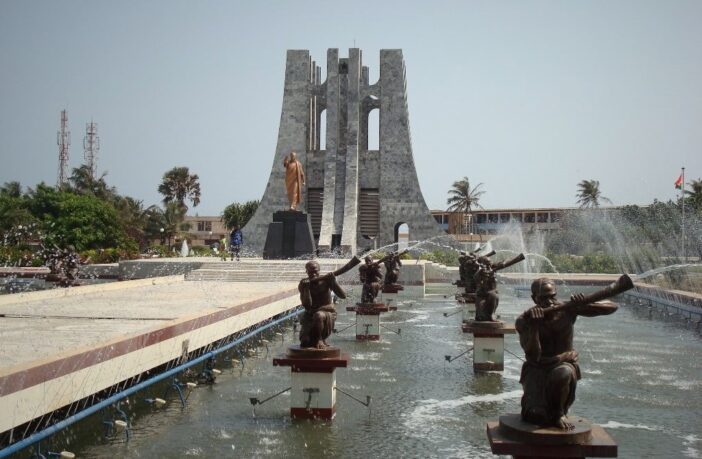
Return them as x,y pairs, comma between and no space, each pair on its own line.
694,194
83,221
462,198
163,223
14,210
589,194
82,181
11,190
133,218
178,185
236,214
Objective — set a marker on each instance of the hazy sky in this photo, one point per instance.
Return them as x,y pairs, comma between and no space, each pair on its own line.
528,97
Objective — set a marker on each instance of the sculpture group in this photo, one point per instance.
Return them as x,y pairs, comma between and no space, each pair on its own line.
371,276
317,320
550,371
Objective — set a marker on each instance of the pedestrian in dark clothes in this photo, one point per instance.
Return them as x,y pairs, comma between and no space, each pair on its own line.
236,239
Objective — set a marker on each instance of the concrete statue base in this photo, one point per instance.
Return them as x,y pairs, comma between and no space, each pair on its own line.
390,292
512,436
488,343
313,378
289,236
368,319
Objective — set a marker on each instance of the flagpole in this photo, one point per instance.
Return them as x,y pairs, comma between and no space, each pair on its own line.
683,216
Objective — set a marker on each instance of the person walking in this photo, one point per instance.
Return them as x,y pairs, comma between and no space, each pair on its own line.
223,248
236,239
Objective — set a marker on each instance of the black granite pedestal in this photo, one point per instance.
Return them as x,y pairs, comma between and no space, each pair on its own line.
289,236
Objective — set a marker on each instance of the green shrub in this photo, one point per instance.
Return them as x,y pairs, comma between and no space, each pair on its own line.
596,262
201,251
444,257
19,256
112,255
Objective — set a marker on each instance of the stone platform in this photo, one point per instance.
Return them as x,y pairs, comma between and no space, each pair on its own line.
488,328
512,436
60,346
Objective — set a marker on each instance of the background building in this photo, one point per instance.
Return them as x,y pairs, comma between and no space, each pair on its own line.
493,221
205,230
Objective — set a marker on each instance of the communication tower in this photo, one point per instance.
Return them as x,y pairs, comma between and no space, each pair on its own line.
91,146
63,139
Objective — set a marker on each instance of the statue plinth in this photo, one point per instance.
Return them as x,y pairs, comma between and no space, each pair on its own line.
370,309
289,236
488,327
488,343
298,352
512,436
368,319
392,288
310,360
390,293
313,378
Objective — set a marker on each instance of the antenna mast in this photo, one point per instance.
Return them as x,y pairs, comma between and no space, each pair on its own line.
91,146
63,140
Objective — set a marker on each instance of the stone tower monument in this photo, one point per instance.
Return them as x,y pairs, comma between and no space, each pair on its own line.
356,198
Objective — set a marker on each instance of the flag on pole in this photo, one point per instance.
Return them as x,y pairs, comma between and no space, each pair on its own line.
679,183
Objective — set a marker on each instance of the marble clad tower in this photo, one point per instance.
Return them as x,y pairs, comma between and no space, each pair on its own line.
355,197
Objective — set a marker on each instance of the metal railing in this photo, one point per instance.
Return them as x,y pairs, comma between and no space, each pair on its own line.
51,430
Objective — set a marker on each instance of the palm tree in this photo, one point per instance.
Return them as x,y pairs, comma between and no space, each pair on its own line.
589,194
695,194
462,198
11,189
133,217
83,182
163,223
177,185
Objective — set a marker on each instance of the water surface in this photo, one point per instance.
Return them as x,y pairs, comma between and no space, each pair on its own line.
642,380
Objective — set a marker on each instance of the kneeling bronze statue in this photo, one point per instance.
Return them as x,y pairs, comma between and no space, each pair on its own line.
551,370
486,297
317,322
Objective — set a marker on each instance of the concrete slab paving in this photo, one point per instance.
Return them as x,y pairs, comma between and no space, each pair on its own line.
59,346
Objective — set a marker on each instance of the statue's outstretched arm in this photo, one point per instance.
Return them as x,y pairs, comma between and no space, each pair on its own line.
600,308
336,288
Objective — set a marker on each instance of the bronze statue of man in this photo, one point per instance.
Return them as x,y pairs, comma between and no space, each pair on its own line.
317,322
486,297
551,371
294,179
467,267
370,277
392,265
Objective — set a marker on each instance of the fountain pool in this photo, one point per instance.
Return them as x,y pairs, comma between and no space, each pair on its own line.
642,380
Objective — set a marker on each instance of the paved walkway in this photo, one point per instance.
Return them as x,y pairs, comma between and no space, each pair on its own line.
62,345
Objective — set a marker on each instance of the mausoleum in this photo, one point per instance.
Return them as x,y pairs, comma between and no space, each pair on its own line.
356,198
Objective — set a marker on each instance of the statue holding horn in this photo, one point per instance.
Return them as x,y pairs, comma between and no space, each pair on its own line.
551,371
317,321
